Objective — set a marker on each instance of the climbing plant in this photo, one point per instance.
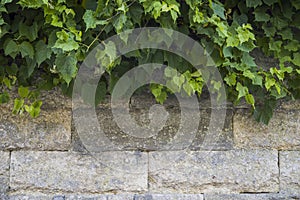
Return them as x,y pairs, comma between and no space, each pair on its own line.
43,42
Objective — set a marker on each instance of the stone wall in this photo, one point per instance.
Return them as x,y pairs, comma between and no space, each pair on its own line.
44,158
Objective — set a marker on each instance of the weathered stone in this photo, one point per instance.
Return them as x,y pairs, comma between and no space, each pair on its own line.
108,197
169,197
283,131
169,137
4,174
269,196
73,172
290,172
212,172
50,131
72,197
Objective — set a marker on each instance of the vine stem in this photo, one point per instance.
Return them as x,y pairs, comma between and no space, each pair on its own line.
98,35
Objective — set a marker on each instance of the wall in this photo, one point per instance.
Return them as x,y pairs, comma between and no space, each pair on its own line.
44,158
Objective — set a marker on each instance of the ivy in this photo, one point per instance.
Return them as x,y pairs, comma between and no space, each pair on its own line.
43,45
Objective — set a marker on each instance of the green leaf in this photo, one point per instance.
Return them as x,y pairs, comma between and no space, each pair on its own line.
26,49
11,47
30,32
18,104
4,98
232,41
253,3
67,66
89,19
250,99
264,113
23,92
120,22
248,60
296,4
292,45
170,72
230,79
270,2
242,90
34,109
219,10
244,33
65,41
296,59
12,70
261,15
32,3
42,52
270,81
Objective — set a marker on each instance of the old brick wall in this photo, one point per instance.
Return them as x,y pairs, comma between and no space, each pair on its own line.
44,158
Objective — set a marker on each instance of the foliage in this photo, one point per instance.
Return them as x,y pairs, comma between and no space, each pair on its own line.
42,43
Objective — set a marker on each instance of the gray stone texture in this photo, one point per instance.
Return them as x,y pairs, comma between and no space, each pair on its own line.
109,197
4,174
50,131
270,196
282,133
290,172
73,172
139,107
236,171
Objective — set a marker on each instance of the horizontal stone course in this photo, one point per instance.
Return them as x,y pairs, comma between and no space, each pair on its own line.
50,131
109,197
73,172
282,133
236,171
290,172
270,196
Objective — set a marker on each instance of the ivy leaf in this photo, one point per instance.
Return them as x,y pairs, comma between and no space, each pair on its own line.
253,3
218,10
30,32
91,21
270,2
4,98
32,3
248,60
250,99
242,90
66,45
296,59
34,109
120,22
42,52
230,79
261,15
296,4
265,112
26,49
11,48
23,92
67,66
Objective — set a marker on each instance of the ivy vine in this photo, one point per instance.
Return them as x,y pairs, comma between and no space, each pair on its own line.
43,42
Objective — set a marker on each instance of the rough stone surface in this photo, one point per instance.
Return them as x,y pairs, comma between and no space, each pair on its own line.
72,197
164,139
290,172
109,197
252,197
283,131
50,131
212,172
4,174
169,197
73,172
